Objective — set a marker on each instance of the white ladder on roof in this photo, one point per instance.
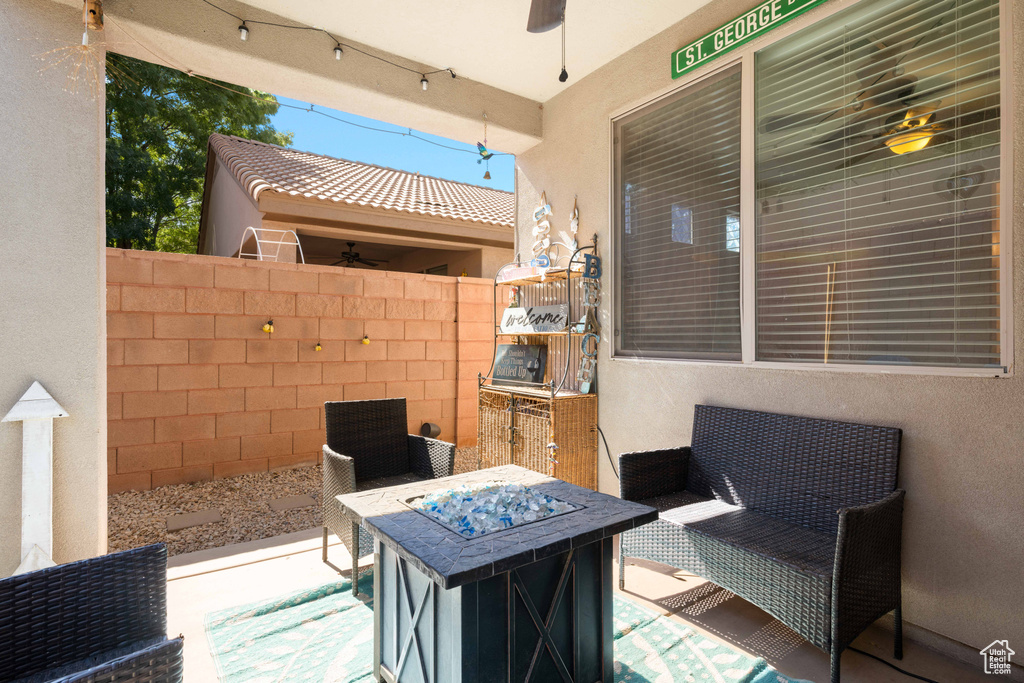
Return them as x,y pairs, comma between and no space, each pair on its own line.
268,244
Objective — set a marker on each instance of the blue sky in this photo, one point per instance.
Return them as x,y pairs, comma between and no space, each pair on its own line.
314,133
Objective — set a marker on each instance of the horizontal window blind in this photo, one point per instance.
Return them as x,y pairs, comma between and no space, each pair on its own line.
877,172
678,176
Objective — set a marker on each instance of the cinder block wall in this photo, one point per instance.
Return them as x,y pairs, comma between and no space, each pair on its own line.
197,391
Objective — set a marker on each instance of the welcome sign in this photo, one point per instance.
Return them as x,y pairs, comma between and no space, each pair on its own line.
535,319
756,22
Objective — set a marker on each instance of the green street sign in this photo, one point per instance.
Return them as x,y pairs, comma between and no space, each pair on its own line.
756,22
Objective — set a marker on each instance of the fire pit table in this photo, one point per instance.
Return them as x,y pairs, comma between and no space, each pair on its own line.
502,574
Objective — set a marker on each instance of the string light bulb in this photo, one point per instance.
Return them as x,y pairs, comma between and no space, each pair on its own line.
243,32
268,327
337,52
318,347
424,82
366,339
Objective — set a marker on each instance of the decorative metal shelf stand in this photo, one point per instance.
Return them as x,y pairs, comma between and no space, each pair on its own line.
548,424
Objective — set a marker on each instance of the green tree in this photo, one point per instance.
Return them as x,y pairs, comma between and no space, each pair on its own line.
158,123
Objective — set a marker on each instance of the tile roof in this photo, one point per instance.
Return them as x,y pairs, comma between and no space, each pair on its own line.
261,167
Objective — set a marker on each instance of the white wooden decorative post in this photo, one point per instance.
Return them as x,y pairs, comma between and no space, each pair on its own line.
36,410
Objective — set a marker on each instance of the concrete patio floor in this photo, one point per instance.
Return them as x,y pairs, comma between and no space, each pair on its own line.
210,580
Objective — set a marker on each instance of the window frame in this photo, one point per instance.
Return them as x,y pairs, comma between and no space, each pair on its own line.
744,56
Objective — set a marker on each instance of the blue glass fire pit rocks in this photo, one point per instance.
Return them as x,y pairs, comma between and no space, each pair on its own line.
477,509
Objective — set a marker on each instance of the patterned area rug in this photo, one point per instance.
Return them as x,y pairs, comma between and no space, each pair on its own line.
326,635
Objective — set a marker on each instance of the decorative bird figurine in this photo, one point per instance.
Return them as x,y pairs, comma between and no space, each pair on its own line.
484,154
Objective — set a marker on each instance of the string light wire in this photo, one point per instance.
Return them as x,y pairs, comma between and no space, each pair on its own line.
300,27
309,109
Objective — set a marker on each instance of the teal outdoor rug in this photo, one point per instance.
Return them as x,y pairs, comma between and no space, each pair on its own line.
326,635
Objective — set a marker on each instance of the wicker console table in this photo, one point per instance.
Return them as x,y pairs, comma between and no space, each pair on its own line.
516,425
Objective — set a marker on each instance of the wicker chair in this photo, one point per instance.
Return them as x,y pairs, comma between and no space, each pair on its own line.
368,447
799,516
95,621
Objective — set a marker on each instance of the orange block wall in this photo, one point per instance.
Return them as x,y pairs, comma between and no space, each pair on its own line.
197,391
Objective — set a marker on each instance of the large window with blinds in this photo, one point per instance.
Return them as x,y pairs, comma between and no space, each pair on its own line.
877,187
872,202
679,173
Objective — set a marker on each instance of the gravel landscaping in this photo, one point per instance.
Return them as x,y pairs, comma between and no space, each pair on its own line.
140,517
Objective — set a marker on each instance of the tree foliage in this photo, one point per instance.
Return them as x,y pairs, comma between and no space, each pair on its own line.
158,123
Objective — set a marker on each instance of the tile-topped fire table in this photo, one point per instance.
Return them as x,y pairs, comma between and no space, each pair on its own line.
532,602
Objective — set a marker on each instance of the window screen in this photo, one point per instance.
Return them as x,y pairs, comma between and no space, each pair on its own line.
678,177
877,167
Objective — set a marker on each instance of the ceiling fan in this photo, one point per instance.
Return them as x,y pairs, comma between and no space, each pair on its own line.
350,258
892,112
545,15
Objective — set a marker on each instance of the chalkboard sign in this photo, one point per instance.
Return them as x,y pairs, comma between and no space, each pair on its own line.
519,362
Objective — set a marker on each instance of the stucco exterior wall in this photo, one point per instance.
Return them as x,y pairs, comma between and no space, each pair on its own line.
963,437
197,390
51,276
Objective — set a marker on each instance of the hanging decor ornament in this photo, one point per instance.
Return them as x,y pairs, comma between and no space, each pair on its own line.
83,61
567,240
485,155
591,325
541,240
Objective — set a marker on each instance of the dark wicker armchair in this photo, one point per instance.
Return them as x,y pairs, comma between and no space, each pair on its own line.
102,620
368,447
799,516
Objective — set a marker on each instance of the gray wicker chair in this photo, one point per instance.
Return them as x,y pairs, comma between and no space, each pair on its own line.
799,516
368,447
102,620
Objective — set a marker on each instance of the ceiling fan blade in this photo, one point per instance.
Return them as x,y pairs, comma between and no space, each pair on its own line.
780,122
545,15
366,262
867,102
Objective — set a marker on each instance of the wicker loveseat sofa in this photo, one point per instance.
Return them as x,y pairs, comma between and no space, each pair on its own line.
102,620
368,447
799,516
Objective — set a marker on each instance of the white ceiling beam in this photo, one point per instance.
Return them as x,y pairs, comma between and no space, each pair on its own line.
193,36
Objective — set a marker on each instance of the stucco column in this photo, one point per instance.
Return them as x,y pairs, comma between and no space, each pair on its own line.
52,275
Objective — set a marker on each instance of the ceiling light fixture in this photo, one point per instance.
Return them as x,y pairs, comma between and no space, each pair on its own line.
913,133
243,32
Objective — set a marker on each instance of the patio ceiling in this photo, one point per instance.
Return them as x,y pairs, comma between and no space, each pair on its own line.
488,41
